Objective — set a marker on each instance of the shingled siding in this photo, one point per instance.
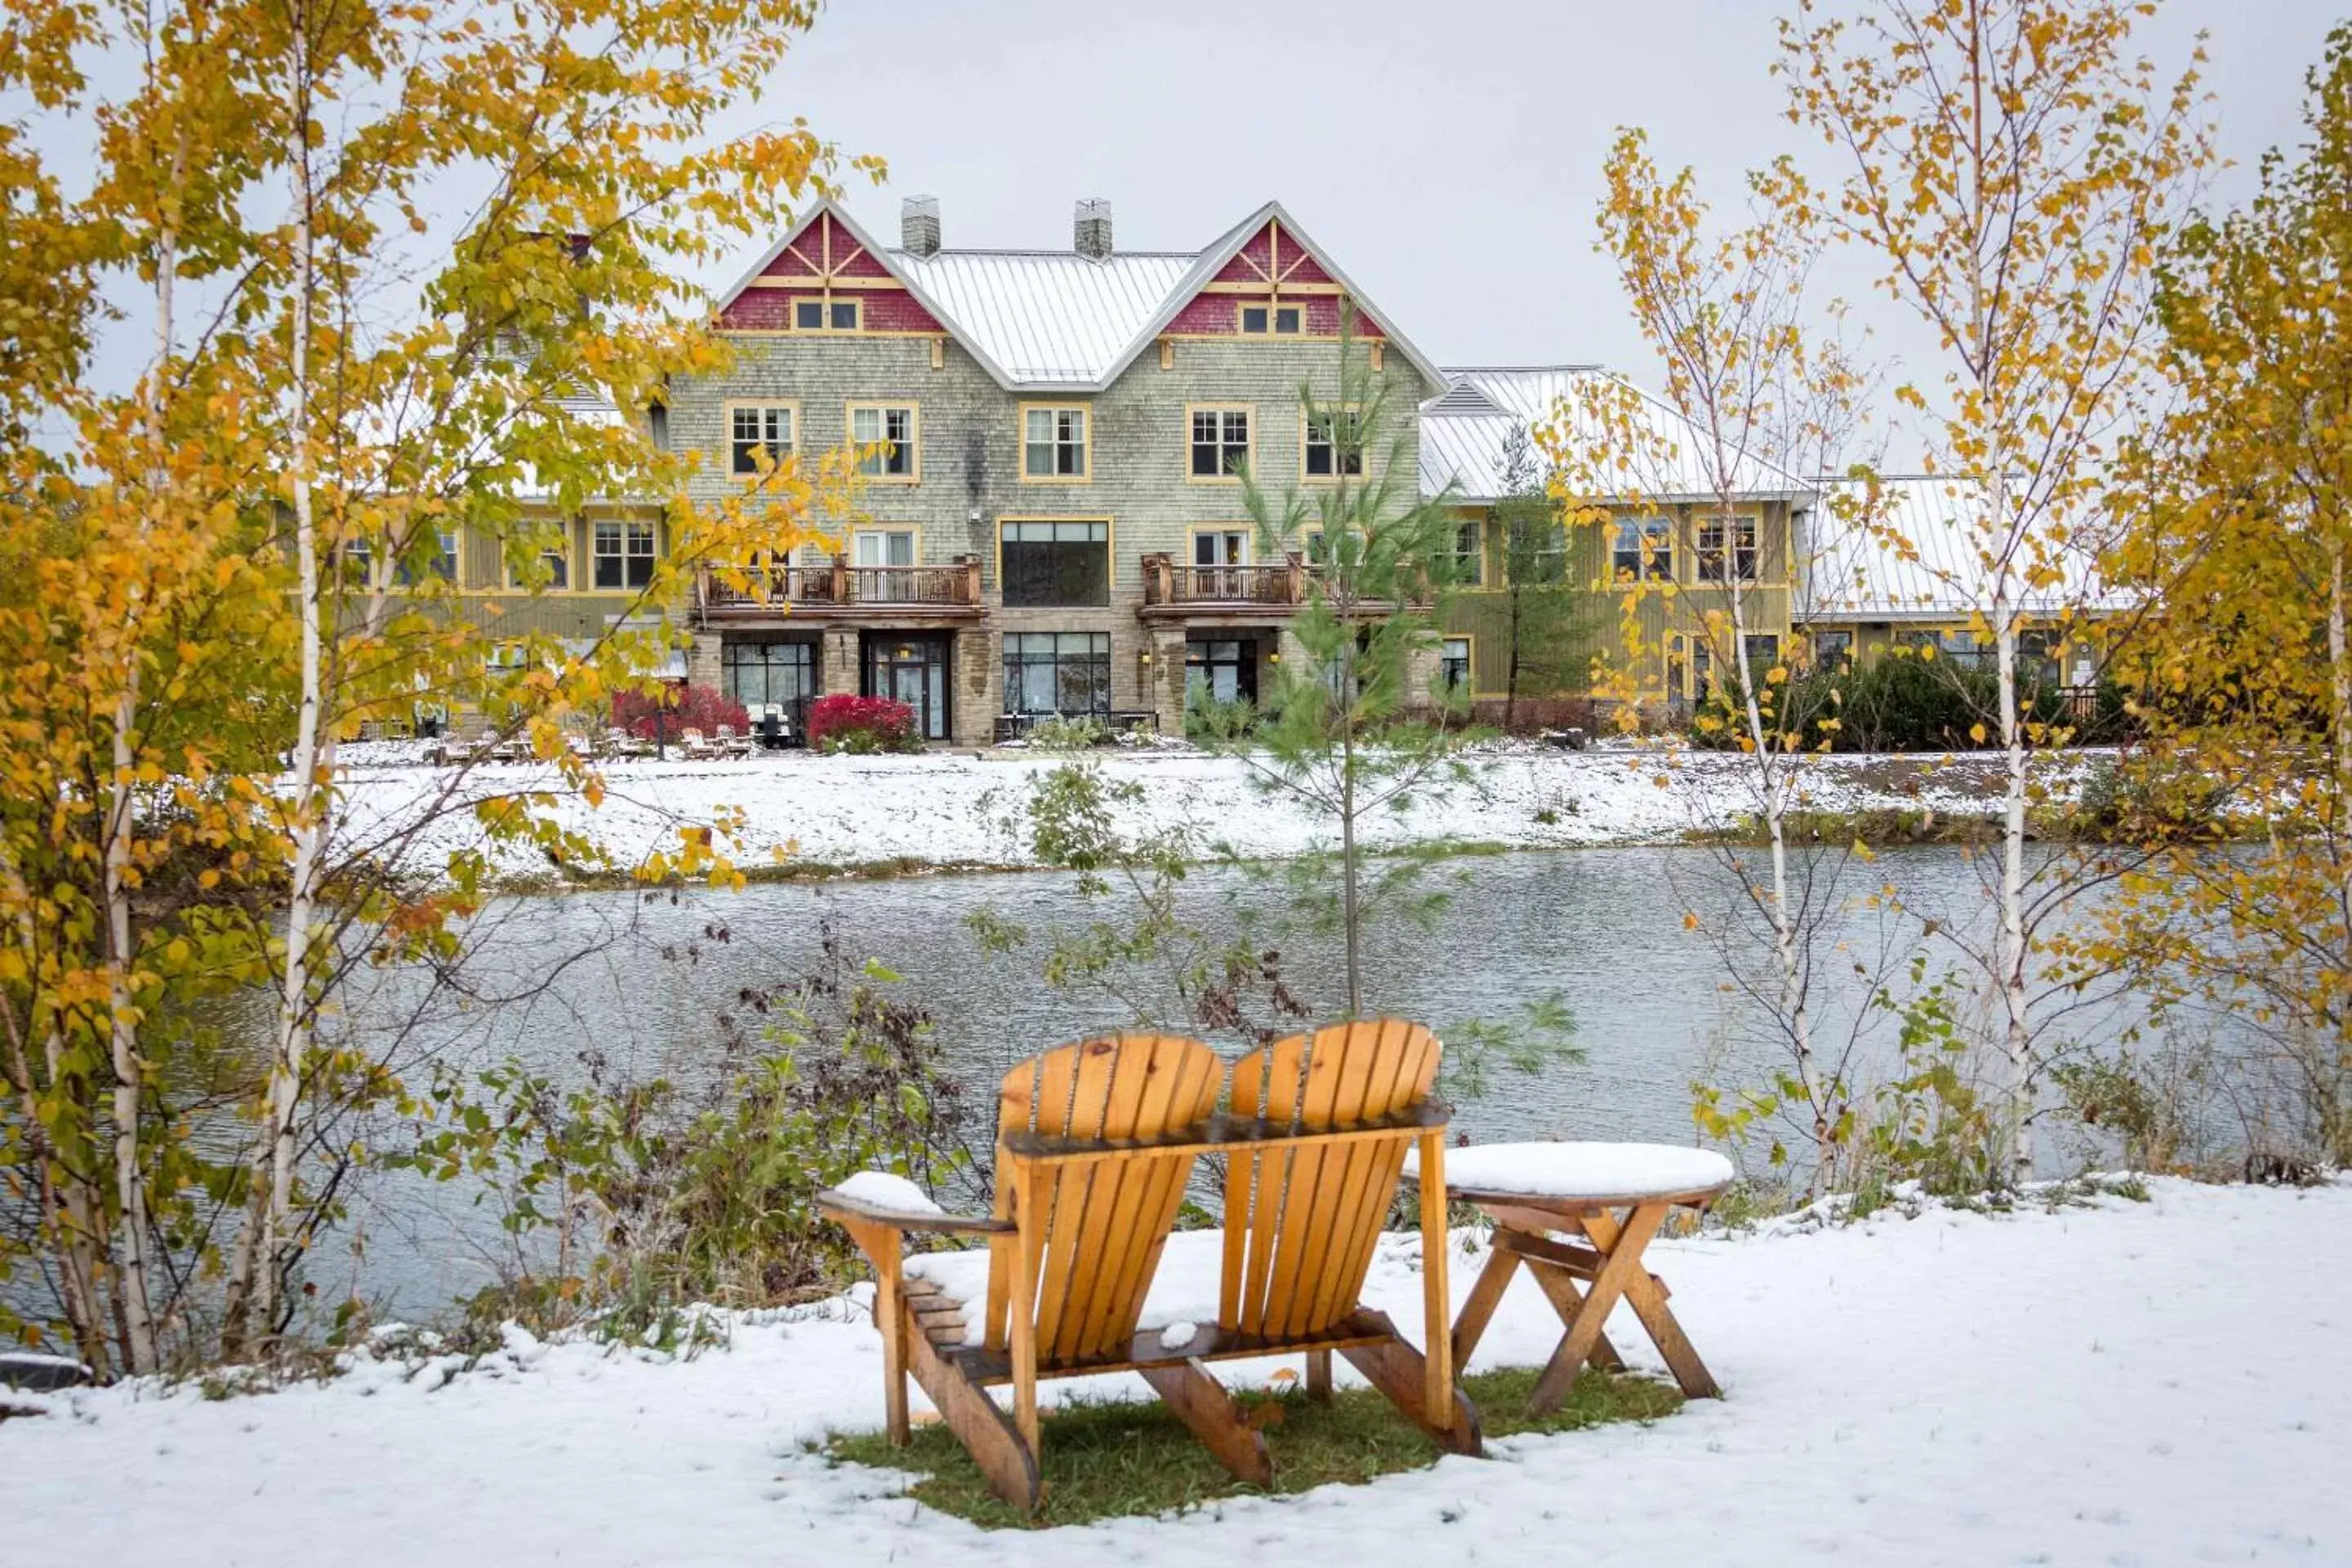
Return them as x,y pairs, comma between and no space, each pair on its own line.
971,464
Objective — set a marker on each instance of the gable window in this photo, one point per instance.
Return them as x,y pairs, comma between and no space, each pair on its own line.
824,315
884,435
1727,549
1057,672
1220,442
1055,561
1643,551
1334,443
765,430
1282,321
1053,444
1453,668
625,555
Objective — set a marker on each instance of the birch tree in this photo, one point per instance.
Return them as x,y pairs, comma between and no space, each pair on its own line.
2011,167
1752,403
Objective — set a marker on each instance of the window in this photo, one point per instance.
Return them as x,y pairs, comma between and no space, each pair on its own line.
1960,647
657,425
1644,550
1220,669
1453,668
1833,650
1057,672
1283,321
1220,442
758,432
625,555
884,435
770,674
1727,549
1334,443
554,570
1469,554
1055,562
442,563
1763,655
824,315
1053,444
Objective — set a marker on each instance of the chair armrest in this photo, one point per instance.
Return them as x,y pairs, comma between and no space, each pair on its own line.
837,1204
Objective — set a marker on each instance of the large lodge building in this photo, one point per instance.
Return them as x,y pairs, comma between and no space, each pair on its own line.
1050,521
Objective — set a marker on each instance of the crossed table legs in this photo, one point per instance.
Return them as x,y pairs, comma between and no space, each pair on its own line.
1584,1276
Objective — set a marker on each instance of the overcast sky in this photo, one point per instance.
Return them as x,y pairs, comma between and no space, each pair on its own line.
1446,154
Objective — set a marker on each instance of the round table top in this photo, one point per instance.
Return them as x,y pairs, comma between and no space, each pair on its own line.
1591,1172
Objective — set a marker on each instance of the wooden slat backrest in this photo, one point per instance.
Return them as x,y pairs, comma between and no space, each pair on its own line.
1094,1230
1300,1223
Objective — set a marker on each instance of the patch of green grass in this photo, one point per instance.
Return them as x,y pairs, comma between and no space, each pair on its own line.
1108,1460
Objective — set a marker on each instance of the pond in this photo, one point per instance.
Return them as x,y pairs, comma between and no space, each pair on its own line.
644,981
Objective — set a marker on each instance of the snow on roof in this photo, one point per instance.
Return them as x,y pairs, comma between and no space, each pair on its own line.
1858,572
1058,320
1464,432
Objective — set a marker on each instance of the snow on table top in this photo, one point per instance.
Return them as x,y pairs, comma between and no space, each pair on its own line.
1183,1290
885,1191
1617,1171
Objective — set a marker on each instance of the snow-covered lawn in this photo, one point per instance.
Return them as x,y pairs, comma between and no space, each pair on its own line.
929,807
2159,1383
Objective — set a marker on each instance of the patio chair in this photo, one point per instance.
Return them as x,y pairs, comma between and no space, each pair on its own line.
1073,1246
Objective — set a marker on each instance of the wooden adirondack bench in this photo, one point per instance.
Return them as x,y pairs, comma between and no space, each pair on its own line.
1094,1144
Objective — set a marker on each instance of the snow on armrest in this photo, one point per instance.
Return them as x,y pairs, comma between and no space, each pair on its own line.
895,1201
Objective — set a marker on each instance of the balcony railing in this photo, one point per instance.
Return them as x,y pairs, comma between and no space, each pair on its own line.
1167,584
836,587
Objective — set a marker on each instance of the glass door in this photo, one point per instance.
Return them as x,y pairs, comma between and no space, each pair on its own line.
912,670
1215,552
885,547
1221,670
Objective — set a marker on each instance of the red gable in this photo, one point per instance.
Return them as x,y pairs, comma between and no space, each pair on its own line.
826,258
1271,265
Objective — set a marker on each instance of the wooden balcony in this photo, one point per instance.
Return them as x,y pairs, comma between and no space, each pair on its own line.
898,595
1228,593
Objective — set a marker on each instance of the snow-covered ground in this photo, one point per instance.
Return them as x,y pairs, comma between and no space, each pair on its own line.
930,807
2154,1383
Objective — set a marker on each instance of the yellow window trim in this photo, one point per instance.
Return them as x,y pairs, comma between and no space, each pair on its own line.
914,476
1363,452
1270,304
1249,460
1110,549
726,430
826,302
1085,475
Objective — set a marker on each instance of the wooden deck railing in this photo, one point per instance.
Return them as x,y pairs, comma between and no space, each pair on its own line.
1165,583
837,586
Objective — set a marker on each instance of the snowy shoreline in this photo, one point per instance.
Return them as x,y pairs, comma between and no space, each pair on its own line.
941,810
2153,1382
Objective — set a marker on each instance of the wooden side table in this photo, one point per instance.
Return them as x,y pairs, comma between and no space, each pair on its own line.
1579,1216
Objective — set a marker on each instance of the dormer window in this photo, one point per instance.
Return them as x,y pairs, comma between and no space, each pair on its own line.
824,315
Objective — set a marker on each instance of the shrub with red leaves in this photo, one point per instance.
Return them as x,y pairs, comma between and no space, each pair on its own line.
700,708
862,724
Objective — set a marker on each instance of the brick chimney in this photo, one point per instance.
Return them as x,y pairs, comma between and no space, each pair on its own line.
1090,227
919,225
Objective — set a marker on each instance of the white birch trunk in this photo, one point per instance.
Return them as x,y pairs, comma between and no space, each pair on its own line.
2009,944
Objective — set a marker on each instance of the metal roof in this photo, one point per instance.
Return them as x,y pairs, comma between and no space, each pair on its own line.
1059,322
1464,445
1045,316
1922,561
